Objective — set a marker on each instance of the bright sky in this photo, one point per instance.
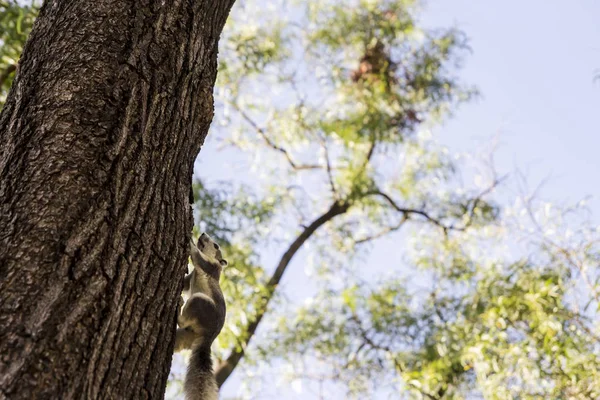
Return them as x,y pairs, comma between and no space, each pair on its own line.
534,62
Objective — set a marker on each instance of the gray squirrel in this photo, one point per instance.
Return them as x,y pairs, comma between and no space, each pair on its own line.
201,318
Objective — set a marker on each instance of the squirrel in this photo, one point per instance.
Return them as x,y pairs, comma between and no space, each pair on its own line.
201,318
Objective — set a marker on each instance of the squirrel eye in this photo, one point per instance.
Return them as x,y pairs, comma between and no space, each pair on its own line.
223,262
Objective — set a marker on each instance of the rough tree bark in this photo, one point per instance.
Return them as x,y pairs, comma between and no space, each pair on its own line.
109,108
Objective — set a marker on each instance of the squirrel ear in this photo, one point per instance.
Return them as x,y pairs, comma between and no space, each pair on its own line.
223,263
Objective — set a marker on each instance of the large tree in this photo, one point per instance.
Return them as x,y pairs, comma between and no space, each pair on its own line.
109,107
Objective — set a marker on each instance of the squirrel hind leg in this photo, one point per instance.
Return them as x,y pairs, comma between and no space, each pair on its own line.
187,339
200,315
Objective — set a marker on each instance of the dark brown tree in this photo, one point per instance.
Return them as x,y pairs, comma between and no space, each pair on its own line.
109,108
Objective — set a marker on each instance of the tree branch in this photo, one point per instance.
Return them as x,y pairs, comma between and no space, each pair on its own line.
328,165
225,368
6,73
476,201
383,232
272,144
409,211
370,152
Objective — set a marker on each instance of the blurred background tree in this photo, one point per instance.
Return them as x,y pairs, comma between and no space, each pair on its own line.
16,19
327,108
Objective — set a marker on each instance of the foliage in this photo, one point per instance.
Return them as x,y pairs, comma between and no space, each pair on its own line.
16,20
353,89
498,329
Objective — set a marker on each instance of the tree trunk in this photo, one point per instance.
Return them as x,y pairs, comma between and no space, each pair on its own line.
98,137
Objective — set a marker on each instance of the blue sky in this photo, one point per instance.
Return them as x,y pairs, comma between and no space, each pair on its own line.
534,62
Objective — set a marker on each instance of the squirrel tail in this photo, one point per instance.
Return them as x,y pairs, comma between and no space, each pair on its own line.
200,383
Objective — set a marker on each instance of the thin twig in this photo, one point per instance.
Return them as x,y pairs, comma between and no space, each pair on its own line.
435,221
329,169
6,73
384,232
408,211
272,144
